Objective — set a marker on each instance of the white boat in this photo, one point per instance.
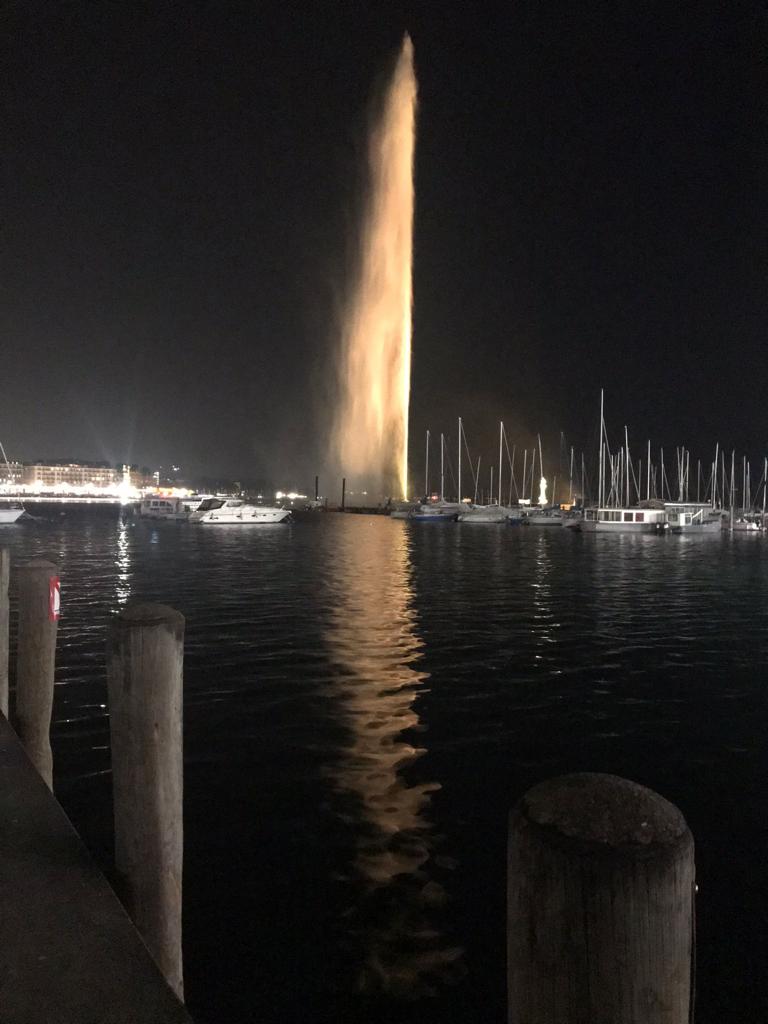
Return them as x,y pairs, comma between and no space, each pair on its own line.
543,517
235,511
624,520
158,506
745,526
485,514
10,514
10,511
693,518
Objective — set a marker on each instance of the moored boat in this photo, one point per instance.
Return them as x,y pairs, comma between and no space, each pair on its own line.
745,526
10,514
543,517
158,506
436,512
693,518
624,520
235,511
481,514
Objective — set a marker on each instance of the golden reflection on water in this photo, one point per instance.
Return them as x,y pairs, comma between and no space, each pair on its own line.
374,641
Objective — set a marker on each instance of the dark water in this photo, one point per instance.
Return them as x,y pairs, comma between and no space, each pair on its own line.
365,700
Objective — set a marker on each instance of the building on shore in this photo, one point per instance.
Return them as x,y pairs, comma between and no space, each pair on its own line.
63,478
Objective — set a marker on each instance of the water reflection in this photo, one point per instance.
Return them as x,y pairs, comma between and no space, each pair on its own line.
373,640
123,562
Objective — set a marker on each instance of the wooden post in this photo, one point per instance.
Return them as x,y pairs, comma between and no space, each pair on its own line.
5,571
600,905
35,662
144,676
343,492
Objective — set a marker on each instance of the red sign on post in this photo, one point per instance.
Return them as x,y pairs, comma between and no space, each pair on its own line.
54,598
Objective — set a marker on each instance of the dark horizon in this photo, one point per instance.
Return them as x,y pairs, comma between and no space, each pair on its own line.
182,190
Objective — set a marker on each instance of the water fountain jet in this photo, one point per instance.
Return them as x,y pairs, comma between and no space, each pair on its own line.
371,428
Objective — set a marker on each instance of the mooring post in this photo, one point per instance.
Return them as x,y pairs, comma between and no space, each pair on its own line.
343,492
36,659
145,679
600,905
5,615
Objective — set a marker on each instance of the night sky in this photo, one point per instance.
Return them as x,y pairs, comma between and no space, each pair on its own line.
182,183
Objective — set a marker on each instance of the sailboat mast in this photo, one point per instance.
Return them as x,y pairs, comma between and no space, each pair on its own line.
525,470
459,484
648,486
601,482
733,482
501,438
442,467
426,471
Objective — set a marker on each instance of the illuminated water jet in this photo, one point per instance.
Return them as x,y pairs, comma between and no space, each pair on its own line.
371,428
543,491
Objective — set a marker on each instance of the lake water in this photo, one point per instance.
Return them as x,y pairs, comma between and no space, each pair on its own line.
365,699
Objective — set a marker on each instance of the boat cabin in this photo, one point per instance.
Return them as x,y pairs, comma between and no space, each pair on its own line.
687,513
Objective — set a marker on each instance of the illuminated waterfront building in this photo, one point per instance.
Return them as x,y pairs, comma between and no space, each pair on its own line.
81,479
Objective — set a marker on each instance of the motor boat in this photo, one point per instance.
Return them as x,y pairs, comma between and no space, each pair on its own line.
236,511
10,514
158,506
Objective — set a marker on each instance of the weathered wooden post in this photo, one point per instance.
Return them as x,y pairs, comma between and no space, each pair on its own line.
343,492
36,659
600,905
5,614
144,674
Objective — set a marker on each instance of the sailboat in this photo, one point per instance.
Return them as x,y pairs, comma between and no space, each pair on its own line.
10,512
495,512
440,511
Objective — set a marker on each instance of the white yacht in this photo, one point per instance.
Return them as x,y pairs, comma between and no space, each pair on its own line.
235,511
624,520
10,514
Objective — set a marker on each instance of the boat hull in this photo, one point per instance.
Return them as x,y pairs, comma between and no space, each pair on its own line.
248,516
708,529
8,516
591,526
